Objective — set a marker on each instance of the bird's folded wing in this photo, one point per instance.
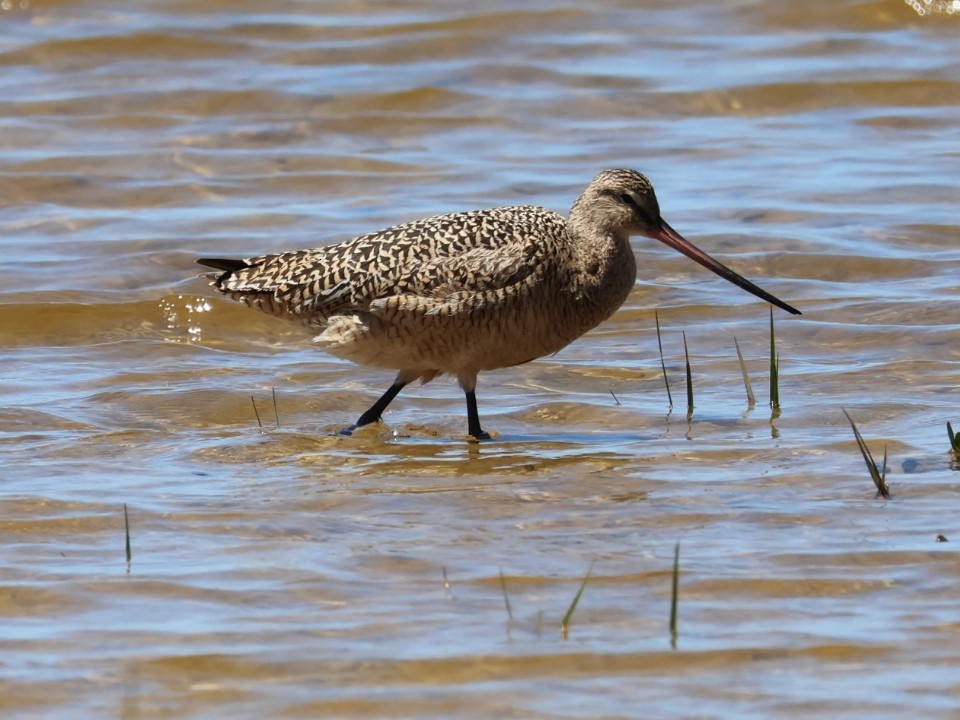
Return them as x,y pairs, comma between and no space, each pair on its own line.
448,257
462,284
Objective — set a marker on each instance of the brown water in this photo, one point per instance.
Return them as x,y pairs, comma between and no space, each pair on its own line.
292,572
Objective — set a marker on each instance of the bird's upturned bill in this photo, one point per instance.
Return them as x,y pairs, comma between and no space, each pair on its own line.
671,238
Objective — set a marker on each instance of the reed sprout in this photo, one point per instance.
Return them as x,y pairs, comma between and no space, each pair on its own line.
774,369
878,475
256,412
751,398
126,532
506,598
663,365
674,596
565,623
686,356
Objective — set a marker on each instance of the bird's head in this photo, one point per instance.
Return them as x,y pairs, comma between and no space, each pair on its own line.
620,203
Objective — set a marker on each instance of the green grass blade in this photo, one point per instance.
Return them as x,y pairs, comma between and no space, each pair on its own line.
878,479
751,398
565,624
276,412
506,599
774,368
686,356
126,532
663,365
954,439
255,412
674,596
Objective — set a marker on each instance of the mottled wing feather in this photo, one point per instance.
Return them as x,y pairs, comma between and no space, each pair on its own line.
456,285
435,258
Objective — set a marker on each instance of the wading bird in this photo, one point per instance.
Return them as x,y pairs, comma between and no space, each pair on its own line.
468,291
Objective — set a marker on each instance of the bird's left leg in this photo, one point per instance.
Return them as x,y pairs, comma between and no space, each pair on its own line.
468,381
376,410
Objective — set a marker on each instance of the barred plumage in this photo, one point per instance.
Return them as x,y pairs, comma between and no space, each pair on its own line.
469,291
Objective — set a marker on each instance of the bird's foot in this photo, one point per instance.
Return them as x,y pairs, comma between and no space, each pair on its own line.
363,421
479,435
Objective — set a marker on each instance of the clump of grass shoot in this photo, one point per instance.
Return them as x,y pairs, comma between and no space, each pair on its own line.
126,532
276,412
954,440
663,365
774,369
751,398
565,624
879,475
506,599
256,412
674,596
686,356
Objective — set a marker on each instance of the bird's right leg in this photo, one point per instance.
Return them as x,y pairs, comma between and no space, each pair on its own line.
376,410
468,382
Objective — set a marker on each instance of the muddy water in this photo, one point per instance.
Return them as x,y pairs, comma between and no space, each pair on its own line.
286,571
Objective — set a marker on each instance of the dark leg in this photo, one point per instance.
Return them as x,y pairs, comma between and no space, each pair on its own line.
376,410
473,419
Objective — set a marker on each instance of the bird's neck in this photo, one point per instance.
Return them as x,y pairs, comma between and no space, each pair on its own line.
606,270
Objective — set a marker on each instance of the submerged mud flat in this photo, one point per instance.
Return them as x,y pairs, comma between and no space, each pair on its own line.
280,569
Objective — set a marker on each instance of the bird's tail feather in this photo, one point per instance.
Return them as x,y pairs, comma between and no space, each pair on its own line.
227,264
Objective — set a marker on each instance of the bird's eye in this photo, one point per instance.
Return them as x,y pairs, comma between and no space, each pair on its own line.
628,199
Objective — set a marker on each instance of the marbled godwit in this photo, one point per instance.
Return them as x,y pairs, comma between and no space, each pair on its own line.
468,291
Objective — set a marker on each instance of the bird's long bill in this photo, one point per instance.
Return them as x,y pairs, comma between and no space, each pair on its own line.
671,238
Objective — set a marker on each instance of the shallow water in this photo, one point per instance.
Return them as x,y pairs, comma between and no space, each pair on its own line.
291,572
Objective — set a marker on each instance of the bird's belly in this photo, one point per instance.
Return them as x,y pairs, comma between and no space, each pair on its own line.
474,342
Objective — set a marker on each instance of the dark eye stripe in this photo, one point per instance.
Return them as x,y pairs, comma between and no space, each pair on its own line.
628,199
